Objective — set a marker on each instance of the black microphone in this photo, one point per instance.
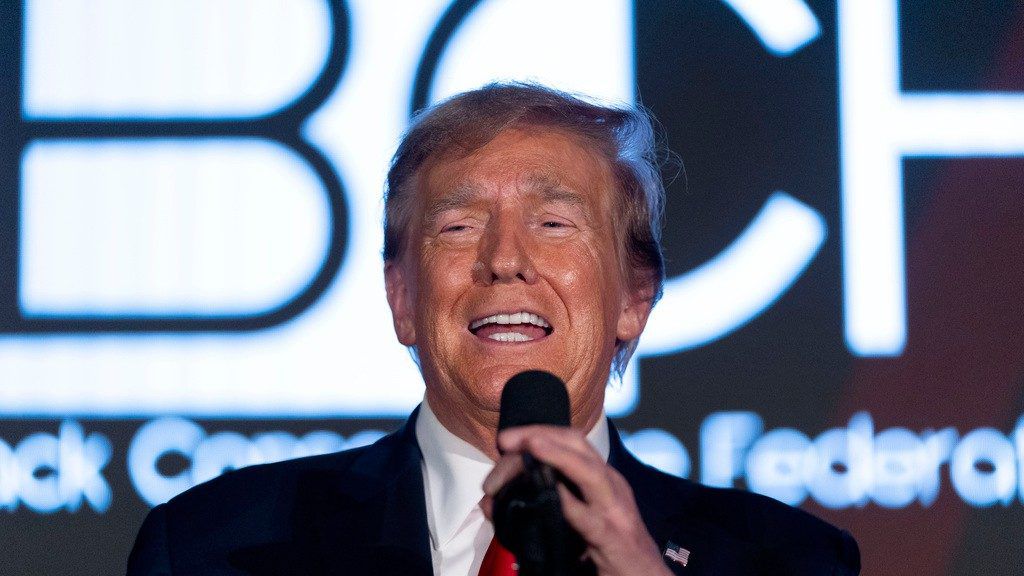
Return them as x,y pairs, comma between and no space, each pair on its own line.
528,517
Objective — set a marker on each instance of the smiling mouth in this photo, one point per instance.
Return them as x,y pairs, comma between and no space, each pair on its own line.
511,327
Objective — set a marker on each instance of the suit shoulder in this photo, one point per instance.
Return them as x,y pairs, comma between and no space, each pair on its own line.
200,530
260,498
262,480
765,519
781,531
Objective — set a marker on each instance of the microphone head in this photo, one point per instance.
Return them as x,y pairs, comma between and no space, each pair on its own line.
534,397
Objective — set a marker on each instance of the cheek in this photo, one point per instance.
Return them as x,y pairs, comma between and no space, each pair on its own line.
442,281
587,278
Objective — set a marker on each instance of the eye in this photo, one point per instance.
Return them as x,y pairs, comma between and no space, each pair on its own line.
555,225
454,228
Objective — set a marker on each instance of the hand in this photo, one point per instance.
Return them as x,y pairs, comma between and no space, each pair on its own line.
607,517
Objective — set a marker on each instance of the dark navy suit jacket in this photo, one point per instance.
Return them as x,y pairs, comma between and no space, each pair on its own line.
363,512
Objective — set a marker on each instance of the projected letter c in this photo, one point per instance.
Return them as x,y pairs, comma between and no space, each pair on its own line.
704,304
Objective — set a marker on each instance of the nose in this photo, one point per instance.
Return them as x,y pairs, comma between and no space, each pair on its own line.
504,255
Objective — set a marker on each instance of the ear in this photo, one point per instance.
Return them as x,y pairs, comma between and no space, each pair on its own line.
636,307
400,299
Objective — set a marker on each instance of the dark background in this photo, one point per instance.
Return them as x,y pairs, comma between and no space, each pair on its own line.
746,123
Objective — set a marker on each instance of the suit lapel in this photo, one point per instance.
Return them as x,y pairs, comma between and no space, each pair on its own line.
378,523
667,508
366,517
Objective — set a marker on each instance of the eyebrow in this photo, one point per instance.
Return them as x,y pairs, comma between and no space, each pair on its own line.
563,195
546,188
461,197
549,190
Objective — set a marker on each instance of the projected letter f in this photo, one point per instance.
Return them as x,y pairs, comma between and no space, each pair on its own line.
880,125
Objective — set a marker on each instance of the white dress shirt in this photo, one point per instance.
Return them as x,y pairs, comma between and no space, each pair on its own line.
453,477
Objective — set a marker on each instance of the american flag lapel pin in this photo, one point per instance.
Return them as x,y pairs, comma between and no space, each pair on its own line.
677,553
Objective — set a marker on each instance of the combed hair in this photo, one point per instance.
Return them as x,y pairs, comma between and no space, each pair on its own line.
625,137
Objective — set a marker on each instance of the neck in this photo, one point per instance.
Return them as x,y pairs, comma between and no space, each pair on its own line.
477,427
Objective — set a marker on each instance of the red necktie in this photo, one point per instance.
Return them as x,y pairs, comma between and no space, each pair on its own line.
498,561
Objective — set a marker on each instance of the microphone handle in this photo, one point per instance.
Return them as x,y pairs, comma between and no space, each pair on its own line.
550,537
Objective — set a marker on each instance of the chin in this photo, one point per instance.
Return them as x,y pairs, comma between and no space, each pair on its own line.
506,372
488,384
493,382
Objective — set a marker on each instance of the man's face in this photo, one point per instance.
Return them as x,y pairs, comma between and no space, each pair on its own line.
512,264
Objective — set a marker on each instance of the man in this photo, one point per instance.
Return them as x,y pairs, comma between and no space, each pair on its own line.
522,231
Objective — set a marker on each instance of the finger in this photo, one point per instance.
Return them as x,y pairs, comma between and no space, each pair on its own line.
531,438
567,450
487,505
506,468
577,513
570,452
612,535
595,479
515,439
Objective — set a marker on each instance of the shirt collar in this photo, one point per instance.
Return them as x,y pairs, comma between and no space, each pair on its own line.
454,472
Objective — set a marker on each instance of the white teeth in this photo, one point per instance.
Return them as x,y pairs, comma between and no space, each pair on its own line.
510,337
516,318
